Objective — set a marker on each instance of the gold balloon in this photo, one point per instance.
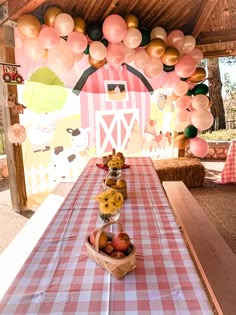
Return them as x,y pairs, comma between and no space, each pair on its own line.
29,26
50,15
181,141
96,63
80,25
131,20
198,76
156,47
171,56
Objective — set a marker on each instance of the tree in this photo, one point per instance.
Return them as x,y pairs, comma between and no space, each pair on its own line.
215,93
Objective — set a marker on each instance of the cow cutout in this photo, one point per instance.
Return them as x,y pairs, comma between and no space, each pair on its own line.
68,162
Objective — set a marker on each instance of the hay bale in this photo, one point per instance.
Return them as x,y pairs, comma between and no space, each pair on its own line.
189,170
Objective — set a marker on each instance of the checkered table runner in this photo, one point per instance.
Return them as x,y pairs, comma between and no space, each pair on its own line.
228,174
58,278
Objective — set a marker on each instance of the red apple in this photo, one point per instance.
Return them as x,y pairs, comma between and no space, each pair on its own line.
121,241
109,249
117,254
102,240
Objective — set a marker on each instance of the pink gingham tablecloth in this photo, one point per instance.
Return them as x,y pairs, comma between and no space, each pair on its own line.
228,174
58,278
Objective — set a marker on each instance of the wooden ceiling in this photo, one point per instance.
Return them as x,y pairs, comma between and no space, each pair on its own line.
211,22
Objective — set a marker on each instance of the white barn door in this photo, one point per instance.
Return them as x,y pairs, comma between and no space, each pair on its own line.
113,128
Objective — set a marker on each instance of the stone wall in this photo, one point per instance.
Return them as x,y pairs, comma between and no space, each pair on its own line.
217,150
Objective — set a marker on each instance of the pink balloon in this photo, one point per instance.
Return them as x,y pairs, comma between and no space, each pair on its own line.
201,119
77,42
141,58
129,54
176,39
115,54
133,38
114,28
196,54
179,126
154,68
186,66
180,88
183,115
170,79
183,102
97,50
48,37
198,146
64,24
32,48
82,63
61,59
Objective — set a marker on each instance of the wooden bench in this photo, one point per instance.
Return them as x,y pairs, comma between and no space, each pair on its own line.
214,258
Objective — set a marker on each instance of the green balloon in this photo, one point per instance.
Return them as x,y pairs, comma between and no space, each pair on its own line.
87,50
94,31
189,93
200,89
190,131
105,42
168,68
145,37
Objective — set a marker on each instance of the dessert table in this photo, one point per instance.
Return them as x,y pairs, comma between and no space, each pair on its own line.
228,174
59,278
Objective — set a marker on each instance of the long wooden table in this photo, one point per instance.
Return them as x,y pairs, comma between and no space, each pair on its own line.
58,277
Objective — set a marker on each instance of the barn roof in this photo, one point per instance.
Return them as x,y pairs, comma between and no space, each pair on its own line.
211,22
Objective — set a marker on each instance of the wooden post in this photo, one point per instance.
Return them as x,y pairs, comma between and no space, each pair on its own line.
13,152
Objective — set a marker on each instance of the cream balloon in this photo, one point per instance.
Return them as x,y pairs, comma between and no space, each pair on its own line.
64,24
200,101
132,38
158,32
189,44
202,119
97,50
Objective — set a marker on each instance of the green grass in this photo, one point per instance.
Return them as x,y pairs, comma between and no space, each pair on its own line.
220,135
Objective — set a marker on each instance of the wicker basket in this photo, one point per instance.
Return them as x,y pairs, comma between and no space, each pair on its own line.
117,267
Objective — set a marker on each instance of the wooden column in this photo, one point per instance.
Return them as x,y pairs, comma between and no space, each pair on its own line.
14,152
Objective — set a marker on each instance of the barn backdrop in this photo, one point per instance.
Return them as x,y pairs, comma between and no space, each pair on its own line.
116,107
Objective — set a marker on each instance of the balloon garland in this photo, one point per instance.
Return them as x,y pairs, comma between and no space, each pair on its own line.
173,57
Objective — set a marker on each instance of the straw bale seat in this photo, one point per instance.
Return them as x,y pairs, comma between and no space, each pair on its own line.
189,170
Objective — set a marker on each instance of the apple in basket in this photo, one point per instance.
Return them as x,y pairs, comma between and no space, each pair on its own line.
121,241
108,249
118,254
121,183
102,239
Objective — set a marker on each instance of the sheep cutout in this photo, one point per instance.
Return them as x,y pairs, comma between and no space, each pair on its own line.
41,132
16,134
71,159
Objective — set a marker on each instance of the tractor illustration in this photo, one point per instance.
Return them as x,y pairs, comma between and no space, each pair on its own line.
10,73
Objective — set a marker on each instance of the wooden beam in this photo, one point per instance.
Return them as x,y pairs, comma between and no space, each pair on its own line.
204,12
19,7
14,152
219,54
217,37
